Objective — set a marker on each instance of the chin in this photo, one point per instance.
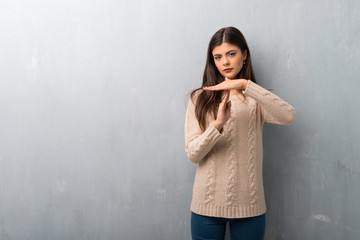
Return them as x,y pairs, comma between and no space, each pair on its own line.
231,77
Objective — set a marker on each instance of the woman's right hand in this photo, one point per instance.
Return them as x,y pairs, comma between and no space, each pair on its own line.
223,113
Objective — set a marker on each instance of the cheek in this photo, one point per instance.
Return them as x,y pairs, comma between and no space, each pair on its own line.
217,66
239,62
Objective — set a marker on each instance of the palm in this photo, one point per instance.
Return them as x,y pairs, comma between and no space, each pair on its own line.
226,85
224,109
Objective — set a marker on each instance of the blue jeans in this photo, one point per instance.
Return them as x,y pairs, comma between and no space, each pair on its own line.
213,228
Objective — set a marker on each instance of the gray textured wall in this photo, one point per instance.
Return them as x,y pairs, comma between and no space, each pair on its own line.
92,101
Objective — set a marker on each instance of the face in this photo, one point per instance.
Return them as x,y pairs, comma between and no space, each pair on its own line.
229,59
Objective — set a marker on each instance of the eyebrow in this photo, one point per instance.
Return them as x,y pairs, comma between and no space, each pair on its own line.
226,53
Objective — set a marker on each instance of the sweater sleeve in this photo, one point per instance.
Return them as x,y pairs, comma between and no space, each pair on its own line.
273,109
198,143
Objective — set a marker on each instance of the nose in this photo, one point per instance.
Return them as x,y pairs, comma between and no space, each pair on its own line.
225,61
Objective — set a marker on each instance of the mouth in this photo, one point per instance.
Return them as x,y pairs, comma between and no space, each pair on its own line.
227,70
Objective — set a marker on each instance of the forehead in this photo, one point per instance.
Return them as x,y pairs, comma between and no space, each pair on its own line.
224,48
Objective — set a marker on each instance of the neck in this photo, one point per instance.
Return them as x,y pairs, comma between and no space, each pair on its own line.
234,92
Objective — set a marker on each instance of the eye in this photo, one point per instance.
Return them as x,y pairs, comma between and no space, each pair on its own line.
217,57
232,54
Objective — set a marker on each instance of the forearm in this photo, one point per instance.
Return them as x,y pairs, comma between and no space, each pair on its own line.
197,147
276,110
218,125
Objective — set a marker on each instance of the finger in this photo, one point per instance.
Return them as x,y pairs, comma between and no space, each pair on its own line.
228,109
228,106
210,88
224,100
227,96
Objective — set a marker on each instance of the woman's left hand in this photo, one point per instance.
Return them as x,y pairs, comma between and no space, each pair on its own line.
228,84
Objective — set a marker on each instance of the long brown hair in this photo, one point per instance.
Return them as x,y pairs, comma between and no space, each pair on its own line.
207,102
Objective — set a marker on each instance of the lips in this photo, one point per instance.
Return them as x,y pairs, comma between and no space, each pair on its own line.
228,70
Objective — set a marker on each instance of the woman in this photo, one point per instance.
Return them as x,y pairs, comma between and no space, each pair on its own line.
223,136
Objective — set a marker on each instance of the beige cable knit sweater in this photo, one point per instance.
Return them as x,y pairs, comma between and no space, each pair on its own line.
228,181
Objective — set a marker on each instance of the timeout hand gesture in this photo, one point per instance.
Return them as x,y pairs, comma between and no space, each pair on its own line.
224,109
228,84
223,113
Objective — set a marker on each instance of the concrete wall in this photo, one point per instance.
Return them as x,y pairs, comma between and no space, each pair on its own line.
93,100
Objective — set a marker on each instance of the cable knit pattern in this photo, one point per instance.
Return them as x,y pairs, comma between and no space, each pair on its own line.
228,181
210,187
251,151
274,98
232,168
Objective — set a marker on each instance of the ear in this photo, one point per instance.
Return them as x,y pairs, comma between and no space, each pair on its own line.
245,54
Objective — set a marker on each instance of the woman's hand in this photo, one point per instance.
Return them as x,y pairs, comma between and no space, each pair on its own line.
223,113
228,84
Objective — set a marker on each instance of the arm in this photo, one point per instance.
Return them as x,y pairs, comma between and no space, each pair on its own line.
273,109
198,143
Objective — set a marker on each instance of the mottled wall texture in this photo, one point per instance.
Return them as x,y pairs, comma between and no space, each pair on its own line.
93,97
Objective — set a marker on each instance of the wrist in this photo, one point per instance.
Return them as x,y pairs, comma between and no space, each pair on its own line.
245,82
218,125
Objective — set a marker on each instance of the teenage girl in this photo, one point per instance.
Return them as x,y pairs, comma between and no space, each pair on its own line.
223,136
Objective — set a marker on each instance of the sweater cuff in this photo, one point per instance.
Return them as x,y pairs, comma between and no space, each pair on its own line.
252,89
247,86
213,133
